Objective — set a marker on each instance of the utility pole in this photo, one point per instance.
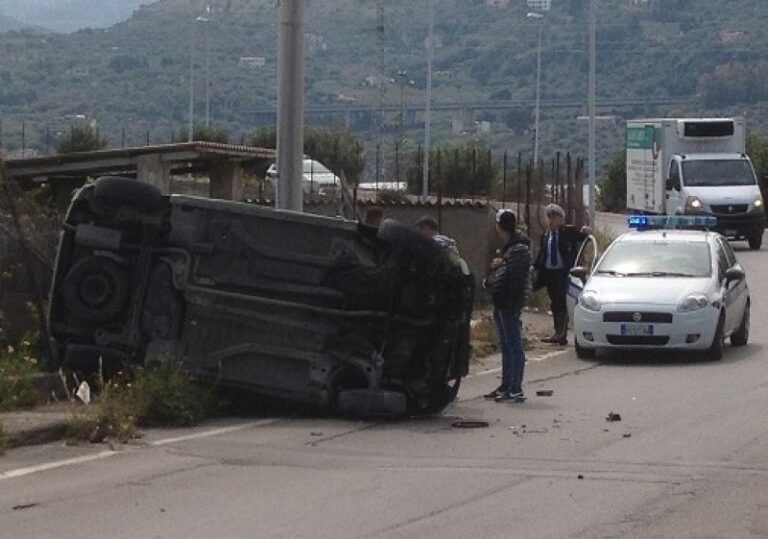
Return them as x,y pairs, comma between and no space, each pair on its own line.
537,109
191,127
290,129
207,21
592,107
428,109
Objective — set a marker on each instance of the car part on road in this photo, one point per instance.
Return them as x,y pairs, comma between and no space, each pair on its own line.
544,392
612,417
469,424
301,308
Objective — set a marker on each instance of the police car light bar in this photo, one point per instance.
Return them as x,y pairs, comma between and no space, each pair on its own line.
651,222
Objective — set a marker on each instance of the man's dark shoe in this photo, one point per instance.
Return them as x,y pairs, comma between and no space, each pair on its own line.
501,390
551,340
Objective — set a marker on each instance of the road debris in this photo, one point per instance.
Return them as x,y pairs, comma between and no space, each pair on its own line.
580,476
84,393
613,417
469,424
627,435
316,434
544,392
24,506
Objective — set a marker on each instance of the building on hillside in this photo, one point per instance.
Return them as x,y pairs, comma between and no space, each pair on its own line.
499,4
252,62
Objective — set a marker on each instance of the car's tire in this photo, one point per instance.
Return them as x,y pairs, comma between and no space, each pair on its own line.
741,337
584,353
715,351
95,289
113,192
755,240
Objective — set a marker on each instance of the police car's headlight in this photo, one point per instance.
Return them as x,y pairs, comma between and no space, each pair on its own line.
694,302
589,301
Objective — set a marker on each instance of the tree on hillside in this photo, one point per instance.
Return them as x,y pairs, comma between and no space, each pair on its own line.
338,150
757,150
205,134
613,185
81,138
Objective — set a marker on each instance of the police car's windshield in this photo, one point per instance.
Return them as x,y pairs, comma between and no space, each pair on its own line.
657,259
710,173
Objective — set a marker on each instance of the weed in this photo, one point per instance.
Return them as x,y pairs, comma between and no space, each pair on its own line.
5,439
161,396
18,368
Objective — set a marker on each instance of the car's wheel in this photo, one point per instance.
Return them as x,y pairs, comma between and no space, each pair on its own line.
741,337
95,289
584,353
112,192
755,240
715,351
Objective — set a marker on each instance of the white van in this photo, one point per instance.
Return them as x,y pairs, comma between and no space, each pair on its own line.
318,179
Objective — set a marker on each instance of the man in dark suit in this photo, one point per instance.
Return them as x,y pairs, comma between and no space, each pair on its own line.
558,250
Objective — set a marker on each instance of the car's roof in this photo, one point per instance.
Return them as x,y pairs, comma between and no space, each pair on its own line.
687,236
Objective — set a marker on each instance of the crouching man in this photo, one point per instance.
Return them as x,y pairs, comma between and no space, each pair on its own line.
509,283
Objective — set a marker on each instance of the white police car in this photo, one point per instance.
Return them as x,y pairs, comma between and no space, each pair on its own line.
661,288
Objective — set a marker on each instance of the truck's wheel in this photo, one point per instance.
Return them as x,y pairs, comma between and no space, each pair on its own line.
95,289
755,240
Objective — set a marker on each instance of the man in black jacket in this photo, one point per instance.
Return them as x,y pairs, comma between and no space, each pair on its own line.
509,283
558,250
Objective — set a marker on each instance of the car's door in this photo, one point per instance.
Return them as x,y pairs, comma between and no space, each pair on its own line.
735,293
587,258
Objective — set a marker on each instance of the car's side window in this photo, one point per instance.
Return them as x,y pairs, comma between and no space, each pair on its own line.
722,260
729,254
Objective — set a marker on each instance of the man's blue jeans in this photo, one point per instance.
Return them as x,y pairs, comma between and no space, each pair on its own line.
509,330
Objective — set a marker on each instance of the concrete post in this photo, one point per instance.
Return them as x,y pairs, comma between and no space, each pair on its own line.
227,181
153,170
290,128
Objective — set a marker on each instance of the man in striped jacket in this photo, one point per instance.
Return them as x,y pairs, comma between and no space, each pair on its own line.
509,283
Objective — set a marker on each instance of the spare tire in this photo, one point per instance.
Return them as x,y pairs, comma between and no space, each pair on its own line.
115,191
95,289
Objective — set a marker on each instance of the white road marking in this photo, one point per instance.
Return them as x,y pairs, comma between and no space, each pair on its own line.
21,472
213,432
498,369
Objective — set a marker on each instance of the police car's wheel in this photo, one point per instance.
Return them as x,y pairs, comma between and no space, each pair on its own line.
741,337
584,353
715,352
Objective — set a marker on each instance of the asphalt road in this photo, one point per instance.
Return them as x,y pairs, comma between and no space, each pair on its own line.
688,459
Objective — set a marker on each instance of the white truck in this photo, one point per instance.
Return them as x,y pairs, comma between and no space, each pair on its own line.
695,166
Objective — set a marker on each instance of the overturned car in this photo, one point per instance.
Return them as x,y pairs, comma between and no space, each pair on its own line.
303,308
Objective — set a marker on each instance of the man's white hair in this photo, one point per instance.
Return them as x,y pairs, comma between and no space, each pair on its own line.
553,210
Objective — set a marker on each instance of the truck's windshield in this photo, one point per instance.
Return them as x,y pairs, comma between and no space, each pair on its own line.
711,173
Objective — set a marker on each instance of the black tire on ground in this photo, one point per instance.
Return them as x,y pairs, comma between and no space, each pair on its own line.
741,337
715,351
755,240
95,289
114,192
584,353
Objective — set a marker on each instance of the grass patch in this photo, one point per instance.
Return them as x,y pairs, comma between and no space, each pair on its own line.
18,368
145,397
5,440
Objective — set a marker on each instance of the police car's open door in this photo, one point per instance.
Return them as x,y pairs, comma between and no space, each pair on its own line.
585,260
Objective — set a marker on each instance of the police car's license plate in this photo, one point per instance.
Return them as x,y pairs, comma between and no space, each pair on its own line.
636,329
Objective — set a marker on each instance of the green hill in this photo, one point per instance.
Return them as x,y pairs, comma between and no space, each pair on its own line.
133,78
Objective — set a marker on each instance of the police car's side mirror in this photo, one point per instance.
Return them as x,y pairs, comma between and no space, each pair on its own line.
580,272
734,274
